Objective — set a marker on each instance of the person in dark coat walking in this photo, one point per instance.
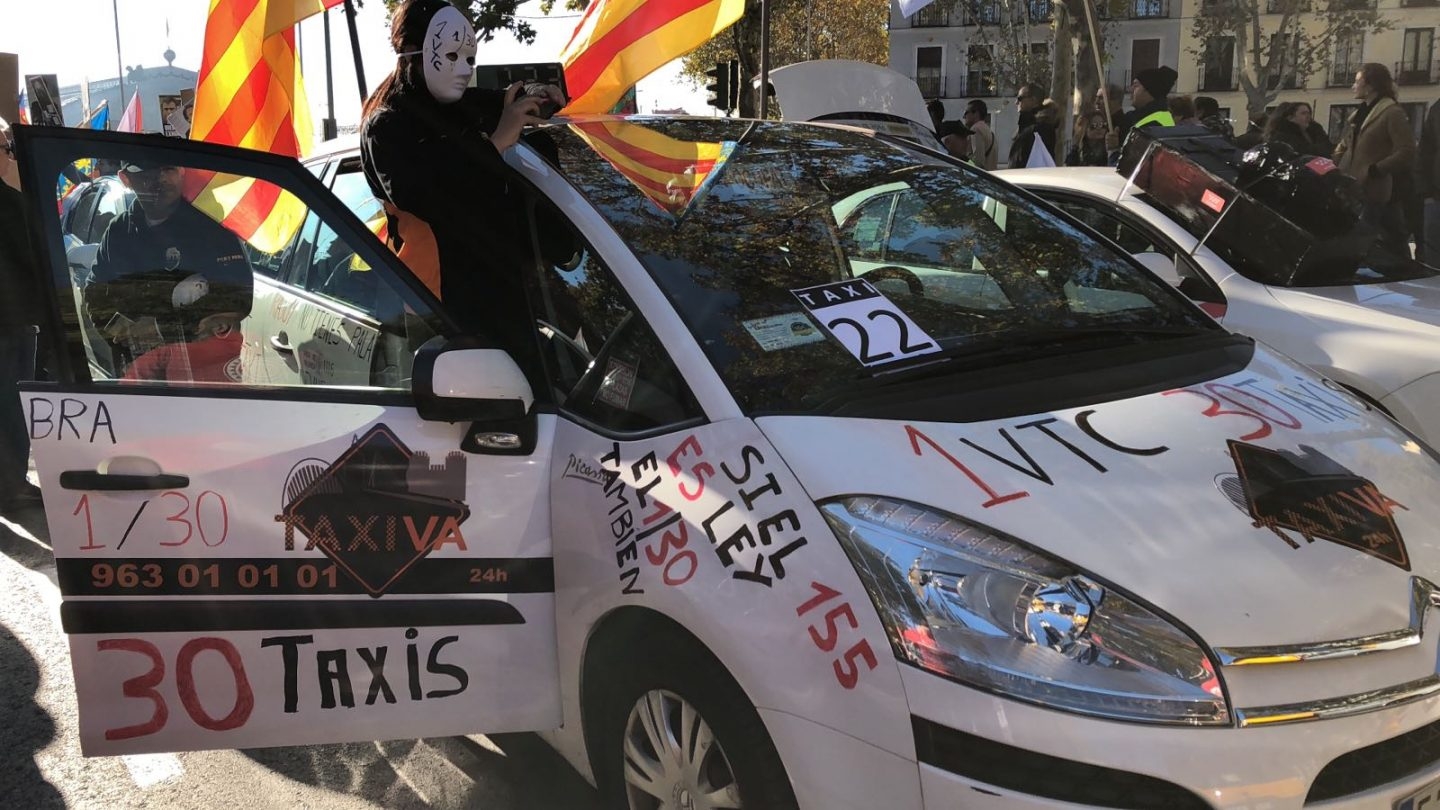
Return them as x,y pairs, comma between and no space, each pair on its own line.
1378,150
1427,177
19,309
431,149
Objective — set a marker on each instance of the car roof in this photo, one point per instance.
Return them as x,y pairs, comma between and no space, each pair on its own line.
1101,179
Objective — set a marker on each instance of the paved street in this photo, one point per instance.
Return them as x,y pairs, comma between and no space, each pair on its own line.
42,767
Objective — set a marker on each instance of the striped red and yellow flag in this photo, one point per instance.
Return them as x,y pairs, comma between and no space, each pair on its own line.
620,42
250,94
670,172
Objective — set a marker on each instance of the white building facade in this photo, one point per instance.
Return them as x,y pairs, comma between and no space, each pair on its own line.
940,48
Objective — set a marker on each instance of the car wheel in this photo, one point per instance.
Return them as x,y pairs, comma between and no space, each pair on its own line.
676,732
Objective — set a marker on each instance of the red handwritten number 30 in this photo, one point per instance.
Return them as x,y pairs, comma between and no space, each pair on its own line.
143,686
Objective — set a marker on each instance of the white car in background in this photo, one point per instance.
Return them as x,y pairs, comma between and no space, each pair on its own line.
1378,334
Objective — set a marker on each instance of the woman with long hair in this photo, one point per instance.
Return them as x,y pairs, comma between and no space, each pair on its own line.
1378,149
431,149
1292,123
1089,141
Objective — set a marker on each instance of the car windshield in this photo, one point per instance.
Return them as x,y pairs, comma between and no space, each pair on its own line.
805,258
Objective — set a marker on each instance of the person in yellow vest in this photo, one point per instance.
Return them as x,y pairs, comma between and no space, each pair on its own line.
1150,103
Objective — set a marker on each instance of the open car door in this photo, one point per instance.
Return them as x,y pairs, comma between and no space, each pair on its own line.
246,562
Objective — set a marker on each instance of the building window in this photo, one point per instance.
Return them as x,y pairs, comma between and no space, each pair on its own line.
1282,61
1148,9
1348,55
980,74
1144,54
935,15
1416,57
1339,116
928,71
1219,65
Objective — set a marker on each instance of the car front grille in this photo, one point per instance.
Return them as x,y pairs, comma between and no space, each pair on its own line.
1378,764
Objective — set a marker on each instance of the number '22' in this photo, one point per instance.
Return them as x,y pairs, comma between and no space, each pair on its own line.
865,356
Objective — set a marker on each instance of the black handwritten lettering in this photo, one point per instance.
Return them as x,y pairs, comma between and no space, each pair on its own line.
374,659
1082,420
290,659
334,675
1043,425
434,666
1032,469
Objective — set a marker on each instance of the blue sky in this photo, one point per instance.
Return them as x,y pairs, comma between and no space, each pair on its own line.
85,46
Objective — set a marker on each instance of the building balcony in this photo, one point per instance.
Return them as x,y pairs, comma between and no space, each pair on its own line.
1147,9
1040,10
931,86
975,84
1413,72
1218,83
935,15
1342,75
1282,6
1418,3
980,13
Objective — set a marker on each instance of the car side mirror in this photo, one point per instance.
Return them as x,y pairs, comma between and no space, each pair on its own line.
467,380
1161,265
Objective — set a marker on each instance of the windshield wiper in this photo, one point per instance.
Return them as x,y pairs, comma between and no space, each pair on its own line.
1010,344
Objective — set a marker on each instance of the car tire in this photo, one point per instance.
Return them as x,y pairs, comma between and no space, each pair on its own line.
666,676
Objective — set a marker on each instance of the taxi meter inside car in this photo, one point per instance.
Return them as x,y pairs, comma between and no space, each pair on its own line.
830,473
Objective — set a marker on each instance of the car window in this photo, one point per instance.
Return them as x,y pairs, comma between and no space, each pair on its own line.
184,285
324,263
865,232
602,359
1137,238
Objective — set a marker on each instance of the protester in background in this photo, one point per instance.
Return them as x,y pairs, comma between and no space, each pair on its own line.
1207,110
19,308
1291,124
983,150
1378,150
1254,132
1029,100
1088,147
431,149
953,135
1428,180
1182,109
1115,94
1149,99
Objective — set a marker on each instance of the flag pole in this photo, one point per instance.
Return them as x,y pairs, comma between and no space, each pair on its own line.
355,49
327,126
1095,47
119,62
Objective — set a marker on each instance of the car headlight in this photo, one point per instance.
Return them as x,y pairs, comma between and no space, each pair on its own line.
985,609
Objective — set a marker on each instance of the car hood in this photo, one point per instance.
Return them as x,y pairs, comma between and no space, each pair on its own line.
1154,494
1417,300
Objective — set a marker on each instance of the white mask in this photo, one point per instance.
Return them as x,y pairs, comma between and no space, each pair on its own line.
448,54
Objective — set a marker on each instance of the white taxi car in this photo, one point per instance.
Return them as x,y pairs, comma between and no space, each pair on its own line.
748,519
1375,331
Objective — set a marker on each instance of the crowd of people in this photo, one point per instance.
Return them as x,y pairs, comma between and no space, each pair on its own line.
1398,178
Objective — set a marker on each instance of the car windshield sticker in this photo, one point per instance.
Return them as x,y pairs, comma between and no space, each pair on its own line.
618,383
783,331
1311,495
865,322
378,509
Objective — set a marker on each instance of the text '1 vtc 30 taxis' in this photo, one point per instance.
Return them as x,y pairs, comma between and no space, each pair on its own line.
741,516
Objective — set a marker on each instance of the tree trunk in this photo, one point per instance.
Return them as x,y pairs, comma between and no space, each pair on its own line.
1087,76
747,47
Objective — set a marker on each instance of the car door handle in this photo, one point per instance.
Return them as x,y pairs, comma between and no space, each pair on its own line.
112,482
281,343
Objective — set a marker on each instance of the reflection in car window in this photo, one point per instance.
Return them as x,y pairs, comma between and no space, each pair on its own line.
184,286
967,260
603,361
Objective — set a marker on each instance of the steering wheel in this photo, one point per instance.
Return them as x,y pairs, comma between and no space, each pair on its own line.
913,284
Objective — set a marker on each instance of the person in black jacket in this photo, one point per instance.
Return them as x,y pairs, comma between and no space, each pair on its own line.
166,273
1029,100
1150,103
19,310
1427,181
431,150
1292,123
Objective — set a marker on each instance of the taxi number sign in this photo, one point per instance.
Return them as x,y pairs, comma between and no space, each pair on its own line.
865,322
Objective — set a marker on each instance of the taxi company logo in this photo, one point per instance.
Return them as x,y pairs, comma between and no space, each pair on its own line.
378,509
1313,496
